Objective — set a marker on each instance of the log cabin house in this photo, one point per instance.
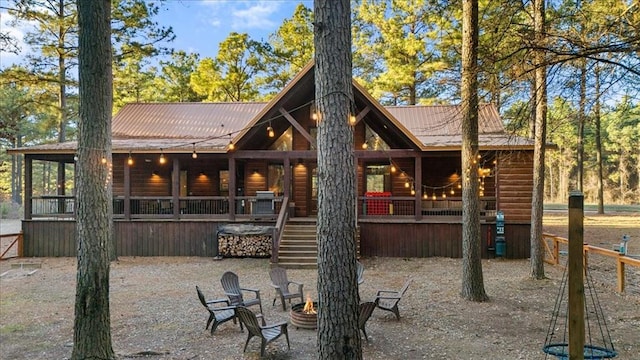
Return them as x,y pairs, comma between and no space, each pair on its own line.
180,171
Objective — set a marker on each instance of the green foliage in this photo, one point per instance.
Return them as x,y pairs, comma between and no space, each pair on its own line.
175,77
231,76
289,49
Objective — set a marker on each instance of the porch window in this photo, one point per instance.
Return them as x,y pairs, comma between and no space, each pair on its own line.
284,142
378,178
373,141
275,179
224,182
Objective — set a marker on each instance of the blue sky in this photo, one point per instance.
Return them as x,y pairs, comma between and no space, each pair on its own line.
199,25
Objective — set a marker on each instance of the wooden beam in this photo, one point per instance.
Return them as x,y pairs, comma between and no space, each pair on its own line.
28,186
361,115
298,127
575,315
232,188
127,189
175,188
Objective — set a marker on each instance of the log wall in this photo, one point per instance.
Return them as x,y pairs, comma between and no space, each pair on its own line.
515,185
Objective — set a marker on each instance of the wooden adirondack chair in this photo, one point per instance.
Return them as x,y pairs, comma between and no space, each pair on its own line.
388,299
280,282
234,291
217,314
366,309
266,333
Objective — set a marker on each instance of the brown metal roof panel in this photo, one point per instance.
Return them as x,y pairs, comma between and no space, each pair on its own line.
183,120
444,119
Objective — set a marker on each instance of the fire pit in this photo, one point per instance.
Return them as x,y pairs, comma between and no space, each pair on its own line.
304,315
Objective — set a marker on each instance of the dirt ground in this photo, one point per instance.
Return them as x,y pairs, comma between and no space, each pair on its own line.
155,310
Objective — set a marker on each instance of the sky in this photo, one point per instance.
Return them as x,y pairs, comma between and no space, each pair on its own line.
199,25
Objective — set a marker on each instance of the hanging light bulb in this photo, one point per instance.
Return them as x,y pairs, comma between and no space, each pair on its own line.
444,194
162,159
406,184
393,168
194,154
433,197
424,195
352,119
452,192
413,190
129,159
364,145
270,131
231,146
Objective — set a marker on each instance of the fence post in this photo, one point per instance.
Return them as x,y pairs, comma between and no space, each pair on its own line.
620,269
576,277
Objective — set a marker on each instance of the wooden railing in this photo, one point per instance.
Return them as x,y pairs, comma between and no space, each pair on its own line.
403,206
60,206
552,256
283,216
17,243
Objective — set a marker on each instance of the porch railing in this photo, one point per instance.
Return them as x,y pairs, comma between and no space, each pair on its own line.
62,207
396,206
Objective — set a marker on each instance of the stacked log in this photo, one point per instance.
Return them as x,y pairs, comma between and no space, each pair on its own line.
257,246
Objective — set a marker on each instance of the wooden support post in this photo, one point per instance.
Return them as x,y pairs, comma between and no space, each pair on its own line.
620,275
127,189
576,277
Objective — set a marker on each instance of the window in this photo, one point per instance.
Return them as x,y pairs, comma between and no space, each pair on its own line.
275,179
378,178
224,182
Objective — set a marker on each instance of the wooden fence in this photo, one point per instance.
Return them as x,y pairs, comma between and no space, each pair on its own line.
552,256
11,246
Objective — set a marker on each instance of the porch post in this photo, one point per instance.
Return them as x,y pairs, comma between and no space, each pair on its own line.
417,186
232,189
287,176
28,187
127,189
175,187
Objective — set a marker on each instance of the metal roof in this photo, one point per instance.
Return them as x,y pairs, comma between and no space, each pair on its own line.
183,120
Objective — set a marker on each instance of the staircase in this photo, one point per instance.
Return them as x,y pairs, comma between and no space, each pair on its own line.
299,246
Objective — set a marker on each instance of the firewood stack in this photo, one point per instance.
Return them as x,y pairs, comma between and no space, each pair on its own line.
258,246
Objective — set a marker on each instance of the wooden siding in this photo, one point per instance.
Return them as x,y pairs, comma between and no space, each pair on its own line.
255,177
198,238
435,239
135,238
515,185
405,172
300,184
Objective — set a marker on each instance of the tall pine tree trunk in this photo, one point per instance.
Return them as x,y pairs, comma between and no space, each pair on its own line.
582,116
92,333
62,99
537,201
338,333
472,280
598,136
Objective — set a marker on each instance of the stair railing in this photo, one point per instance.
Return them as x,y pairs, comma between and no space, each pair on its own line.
283,217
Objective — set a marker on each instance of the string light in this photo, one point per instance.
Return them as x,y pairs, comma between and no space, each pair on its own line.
104,160
270,131
162,158
352,120
393,168
129,159
194,154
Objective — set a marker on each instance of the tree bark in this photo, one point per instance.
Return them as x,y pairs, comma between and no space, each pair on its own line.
92,333
598,136
472,280
537,201
338,333
582,116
